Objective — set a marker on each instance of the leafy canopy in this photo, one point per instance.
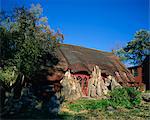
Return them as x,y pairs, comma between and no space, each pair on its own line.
26,41
137,49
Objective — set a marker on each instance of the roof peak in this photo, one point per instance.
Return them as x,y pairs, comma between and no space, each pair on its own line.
64,44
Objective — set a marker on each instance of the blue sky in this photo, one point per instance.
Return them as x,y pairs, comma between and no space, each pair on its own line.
98,24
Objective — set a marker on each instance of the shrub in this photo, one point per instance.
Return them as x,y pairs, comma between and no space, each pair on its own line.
8,75
125,97
119,97
135,96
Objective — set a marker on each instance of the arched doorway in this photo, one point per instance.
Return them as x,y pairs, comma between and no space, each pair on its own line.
83,80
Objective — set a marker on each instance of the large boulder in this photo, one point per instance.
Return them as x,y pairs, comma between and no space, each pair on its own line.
71,87
98,85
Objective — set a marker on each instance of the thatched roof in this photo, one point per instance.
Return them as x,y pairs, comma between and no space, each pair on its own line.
79,59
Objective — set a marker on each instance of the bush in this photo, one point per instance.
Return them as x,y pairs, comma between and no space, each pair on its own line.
8,75
119,97
125,97
135,96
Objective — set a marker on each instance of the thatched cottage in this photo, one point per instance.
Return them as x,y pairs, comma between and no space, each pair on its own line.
90,72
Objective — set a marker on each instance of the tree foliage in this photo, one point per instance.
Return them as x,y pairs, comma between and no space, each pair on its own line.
26,39
137,49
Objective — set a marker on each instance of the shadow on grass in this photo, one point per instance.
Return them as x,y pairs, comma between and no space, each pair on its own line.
44,116
68,116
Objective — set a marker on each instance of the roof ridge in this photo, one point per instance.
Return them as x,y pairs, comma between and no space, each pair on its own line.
86,48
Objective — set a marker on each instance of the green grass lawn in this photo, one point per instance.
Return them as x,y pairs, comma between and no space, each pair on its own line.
84,109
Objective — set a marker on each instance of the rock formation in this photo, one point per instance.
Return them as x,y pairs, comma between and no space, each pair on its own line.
97,85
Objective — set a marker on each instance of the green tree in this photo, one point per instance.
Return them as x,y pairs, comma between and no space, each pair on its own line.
137,49
26,39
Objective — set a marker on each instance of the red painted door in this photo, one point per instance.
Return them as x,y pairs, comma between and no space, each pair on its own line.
83,82
85,86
